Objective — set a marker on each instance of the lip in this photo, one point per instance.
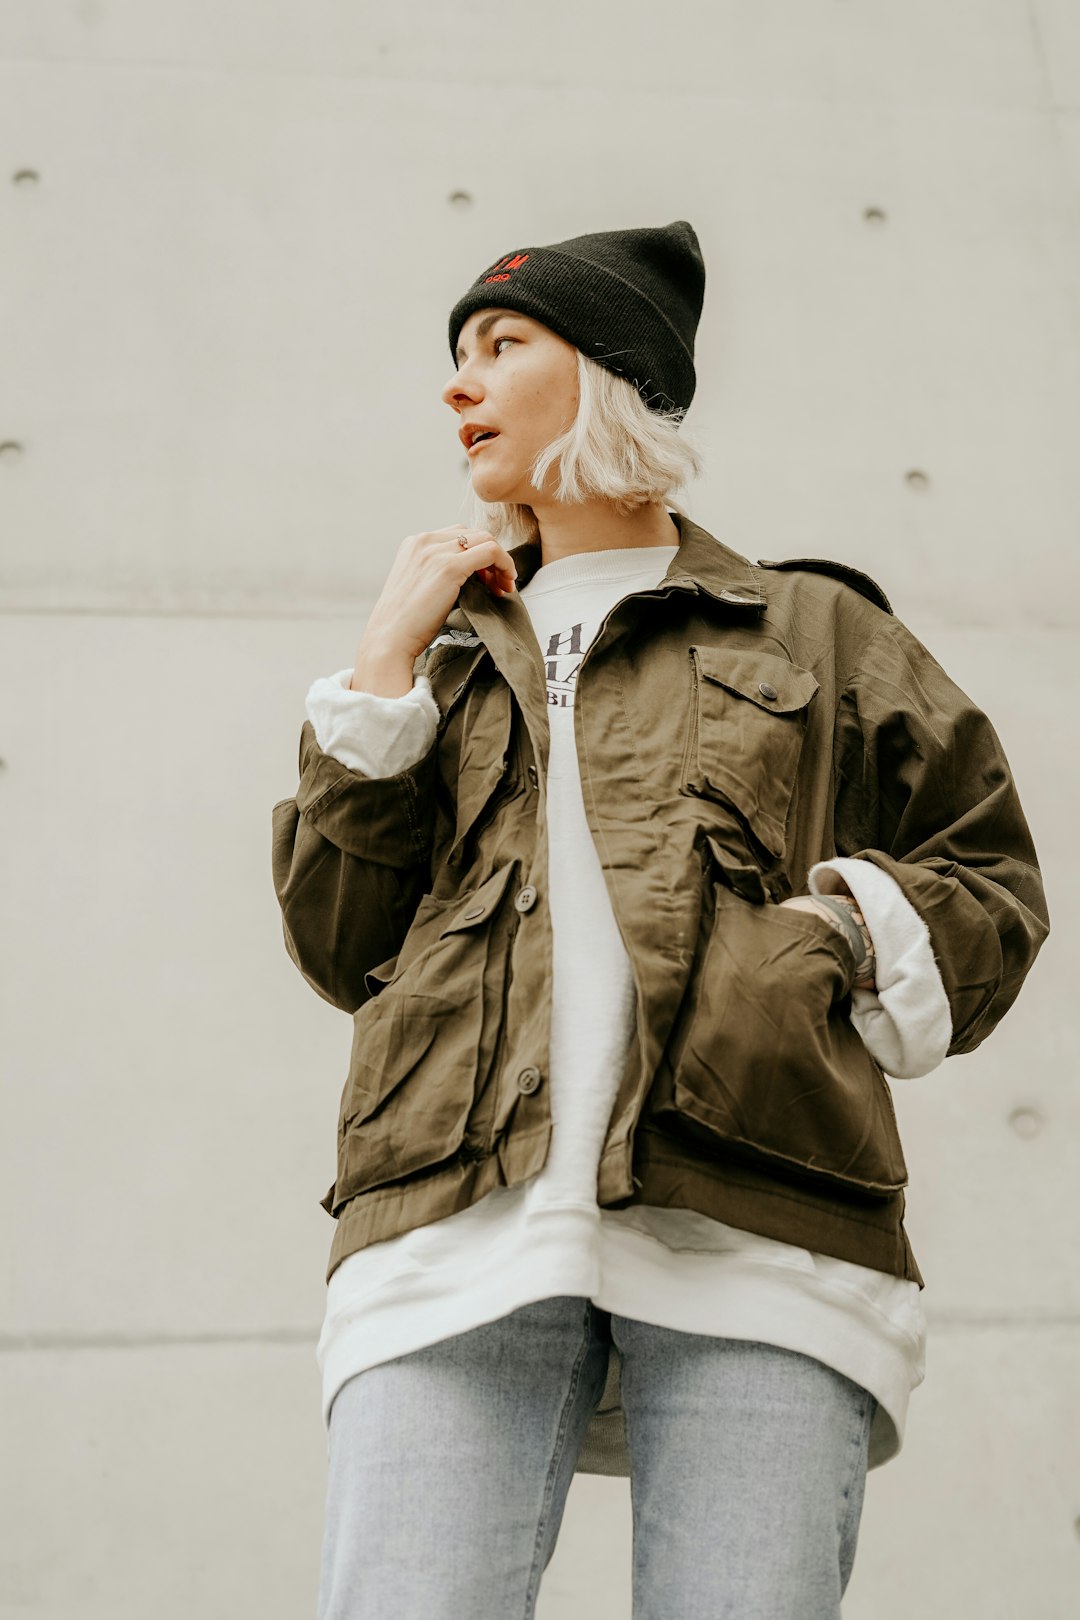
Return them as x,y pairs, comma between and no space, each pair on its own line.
480,445
468,429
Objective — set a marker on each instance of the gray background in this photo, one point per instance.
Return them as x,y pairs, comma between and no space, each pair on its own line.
231,236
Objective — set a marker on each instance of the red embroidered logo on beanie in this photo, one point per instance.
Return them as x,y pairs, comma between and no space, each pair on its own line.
512,261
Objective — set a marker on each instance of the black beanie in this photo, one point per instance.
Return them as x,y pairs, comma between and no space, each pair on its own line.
630,300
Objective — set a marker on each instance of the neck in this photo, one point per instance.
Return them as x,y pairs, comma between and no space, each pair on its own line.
595,526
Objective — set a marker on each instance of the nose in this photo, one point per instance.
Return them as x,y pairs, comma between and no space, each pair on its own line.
456,395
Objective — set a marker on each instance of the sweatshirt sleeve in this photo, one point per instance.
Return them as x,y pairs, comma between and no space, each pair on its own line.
381,736
905,1022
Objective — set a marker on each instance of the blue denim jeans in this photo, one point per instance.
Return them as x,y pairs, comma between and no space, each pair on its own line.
449,1469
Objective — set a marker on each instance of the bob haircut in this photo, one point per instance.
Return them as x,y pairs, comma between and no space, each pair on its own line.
616,449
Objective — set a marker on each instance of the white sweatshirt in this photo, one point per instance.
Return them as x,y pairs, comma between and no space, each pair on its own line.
669,1267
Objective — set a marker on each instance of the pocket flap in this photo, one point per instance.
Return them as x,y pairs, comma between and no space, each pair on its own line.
480,904
377,978
746,881
772,683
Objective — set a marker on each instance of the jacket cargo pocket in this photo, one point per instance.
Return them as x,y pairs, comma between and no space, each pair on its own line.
417,1045
769,1065
745,735
426,925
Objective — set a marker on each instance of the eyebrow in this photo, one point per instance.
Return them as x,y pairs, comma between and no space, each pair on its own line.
485,326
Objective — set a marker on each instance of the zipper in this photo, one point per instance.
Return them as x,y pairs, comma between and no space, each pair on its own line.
690,748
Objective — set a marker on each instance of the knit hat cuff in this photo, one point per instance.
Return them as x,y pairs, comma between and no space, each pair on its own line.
603,293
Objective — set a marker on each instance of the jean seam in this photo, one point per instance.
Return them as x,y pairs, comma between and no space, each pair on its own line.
532,1589
861,1441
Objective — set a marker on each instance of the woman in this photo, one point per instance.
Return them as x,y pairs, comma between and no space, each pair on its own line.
636,865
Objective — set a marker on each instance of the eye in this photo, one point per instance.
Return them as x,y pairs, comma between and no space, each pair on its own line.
499,340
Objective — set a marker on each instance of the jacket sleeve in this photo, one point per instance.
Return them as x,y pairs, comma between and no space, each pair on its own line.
351,859
924,791
905,1022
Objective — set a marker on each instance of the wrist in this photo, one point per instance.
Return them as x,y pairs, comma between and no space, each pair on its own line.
385,672
843,911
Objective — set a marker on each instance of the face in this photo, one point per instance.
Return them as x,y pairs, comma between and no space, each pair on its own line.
520,378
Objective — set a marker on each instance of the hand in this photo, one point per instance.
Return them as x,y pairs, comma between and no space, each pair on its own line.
827,906
421,588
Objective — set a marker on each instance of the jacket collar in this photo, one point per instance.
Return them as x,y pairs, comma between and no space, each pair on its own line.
701,563
716,569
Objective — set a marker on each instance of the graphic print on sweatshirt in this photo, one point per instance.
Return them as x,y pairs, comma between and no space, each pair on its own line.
562,660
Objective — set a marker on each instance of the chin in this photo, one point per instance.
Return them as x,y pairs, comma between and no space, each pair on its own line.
495,490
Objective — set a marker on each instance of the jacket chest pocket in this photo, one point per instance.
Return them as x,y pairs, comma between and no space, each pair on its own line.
748,715
420,1044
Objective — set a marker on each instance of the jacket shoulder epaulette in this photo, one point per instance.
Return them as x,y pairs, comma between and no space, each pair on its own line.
842,571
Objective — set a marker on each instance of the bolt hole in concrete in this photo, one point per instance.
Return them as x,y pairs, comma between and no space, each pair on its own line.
1026,1121
874,216
915,479
10,449
461,199
25,177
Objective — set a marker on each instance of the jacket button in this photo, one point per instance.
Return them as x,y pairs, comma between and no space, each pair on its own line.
525,898
533,778
528,1080
767,690
473,911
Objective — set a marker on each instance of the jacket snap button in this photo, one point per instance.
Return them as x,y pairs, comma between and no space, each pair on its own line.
528,1080
473,911
533,778
767,690
526,898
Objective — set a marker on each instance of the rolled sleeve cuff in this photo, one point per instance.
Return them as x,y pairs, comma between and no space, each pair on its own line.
381,736
906,1023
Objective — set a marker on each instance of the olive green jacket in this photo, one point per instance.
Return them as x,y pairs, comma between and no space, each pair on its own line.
735,724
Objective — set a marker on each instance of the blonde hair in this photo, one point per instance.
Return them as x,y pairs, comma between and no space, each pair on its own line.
616,449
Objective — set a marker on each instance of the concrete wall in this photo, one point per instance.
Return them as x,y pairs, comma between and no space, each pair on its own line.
231,235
